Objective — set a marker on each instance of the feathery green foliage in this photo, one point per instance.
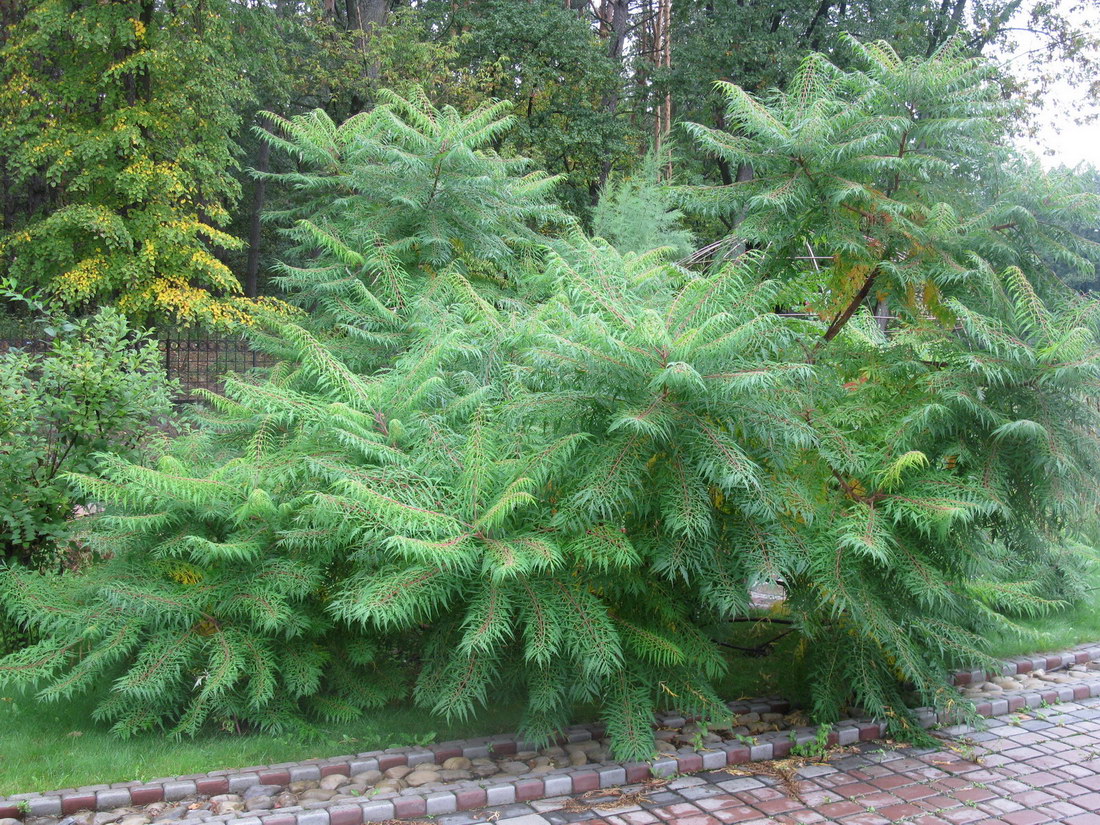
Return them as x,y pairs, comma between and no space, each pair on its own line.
635,214
558,480
407,186
403,201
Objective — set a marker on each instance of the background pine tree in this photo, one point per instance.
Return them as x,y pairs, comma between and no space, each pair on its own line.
636,214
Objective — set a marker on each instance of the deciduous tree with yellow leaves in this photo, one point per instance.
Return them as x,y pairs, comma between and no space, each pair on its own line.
118,156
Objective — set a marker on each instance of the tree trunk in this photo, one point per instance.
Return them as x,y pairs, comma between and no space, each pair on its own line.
744,174
822,12
148,7
945,24
372,16
662,58
882,313
259,193
614,22
642,72
365,17
720,124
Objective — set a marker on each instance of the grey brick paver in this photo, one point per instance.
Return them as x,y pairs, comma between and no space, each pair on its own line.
1030,767
501,794
44,806
441,803
316,817
179,790
1028,771
377,811
112,798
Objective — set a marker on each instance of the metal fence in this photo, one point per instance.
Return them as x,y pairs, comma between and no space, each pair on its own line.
196,362
200,363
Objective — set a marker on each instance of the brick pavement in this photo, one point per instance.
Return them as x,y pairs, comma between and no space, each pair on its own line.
1030,768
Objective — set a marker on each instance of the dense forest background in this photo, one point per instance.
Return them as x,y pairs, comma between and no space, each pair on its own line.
130,150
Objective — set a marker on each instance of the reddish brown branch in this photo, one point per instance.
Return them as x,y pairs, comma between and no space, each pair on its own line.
838,323
852,494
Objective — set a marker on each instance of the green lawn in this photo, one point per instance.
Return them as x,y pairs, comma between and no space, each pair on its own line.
43,747
1052,633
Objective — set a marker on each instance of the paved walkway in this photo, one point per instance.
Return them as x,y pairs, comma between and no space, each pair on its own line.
1025,769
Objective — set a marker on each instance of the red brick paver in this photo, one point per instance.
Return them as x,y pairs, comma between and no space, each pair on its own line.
1031,768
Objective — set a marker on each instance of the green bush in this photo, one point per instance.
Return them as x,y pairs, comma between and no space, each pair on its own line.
635,213
215,559
99,388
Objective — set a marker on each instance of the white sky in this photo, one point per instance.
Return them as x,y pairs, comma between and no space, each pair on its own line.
1060,140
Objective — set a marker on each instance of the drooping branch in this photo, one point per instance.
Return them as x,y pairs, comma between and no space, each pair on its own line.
765,649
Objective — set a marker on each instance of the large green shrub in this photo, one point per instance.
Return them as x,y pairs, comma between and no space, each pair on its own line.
233,581
555,470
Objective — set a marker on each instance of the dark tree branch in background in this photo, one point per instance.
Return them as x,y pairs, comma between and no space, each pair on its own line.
842,319
822,10
259,194
764,649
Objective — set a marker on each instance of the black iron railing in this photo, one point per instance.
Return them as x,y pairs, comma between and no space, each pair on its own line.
196,362
201,363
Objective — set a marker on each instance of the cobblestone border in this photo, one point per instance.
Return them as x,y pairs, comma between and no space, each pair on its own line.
1019,665
472,794
169,789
